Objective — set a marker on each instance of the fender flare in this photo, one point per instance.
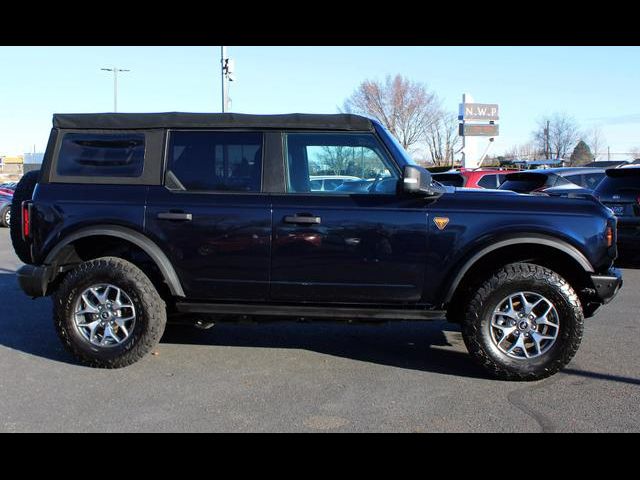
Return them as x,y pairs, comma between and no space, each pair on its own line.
548,241
142,241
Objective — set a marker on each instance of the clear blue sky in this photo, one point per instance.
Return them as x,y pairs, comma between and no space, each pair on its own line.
597,85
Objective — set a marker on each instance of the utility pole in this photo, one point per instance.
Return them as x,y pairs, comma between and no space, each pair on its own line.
608,153
227,70
547,144
225,91
115,71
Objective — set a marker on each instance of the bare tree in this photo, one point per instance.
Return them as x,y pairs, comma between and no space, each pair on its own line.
526,151
333,160
442,139
596,141
405,107
563,136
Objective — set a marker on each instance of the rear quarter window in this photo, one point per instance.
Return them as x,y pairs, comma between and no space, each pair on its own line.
101,155
488,181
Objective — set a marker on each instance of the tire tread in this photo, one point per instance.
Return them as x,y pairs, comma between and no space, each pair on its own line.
511,273
154,311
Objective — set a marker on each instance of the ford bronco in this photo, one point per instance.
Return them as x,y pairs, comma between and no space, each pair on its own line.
135,218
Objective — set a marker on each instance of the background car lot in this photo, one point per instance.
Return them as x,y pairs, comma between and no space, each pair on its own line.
310,377
554,180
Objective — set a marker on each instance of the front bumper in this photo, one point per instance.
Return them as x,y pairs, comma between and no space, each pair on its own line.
34,280
607,285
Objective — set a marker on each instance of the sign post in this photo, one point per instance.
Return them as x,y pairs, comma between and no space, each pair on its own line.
483,117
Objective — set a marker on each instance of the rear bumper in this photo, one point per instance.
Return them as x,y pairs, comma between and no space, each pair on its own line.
34,280
607,285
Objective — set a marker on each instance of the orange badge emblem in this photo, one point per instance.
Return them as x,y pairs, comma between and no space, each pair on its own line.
441,222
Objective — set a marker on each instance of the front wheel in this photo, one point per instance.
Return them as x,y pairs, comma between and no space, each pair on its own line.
523,323
108,313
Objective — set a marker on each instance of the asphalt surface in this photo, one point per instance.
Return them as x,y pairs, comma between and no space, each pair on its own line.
407,377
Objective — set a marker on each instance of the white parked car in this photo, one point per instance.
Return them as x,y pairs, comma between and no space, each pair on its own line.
325,183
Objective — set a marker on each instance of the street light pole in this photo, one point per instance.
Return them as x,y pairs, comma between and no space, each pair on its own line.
115,71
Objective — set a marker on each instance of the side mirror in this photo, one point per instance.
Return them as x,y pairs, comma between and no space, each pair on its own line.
417,181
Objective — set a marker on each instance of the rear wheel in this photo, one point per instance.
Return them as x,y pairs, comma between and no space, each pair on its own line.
5,216
108,314
524,323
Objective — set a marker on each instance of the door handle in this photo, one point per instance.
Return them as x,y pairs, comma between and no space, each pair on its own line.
302,219
187,217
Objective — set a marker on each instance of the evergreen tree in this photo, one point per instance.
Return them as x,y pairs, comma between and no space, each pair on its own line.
581,154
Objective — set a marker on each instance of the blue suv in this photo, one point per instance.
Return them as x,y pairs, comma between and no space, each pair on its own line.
139,218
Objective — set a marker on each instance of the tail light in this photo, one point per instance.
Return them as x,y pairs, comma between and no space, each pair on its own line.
609,236
26,219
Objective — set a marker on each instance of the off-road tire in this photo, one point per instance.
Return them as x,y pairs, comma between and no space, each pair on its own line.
3,217
24,191
511,279
150,309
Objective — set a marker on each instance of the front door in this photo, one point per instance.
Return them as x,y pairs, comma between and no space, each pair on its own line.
211,217
359,243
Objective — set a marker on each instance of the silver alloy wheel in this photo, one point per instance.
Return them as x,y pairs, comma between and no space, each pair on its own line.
7,217
524,325
104,315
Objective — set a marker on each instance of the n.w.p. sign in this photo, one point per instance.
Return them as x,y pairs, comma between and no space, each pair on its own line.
478,111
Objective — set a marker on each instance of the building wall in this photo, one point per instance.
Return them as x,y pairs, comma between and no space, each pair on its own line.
11,168
17,160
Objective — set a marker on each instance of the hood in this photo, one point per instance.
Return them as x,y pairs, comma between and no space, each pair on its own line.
491,191
475,199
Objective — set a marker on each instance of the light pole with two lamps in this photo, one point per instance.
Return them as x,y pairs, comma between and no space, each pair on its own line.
115,71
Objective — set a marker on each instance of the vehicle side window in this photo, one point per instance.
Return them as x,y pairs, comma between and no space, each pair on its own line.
332,184
101,155
577,179
557,181
316,185
591,180
358,156
452,179
215,161
488,181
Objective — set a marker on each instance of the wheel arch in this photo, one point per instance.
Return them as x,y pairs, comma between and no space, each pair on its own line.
551,252
63,250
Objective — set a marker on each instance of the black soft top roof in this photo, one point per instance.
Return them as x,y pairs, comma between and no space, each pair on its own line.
210,120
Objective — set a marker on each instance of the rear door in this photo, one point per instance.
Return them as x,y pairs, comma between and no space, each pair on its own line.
336,246
211,216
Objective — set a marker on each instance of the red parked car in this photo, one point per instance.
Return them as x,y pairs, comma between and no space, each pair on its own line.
7,188
469,178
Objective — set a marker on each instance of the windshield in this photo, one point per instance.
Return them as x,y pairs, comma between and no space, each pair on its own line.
452,179
524,182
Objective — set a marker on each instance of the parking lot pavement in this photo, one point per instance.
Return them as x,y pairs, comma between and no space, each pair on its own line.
410,377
